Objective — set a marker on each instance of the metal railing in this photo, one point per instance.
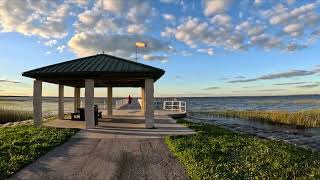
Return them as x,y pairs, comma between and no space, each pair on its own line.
180,106
121,102
167,105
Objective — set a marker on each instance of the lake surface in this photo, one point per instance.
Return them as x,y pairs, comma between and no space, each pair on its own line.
288,103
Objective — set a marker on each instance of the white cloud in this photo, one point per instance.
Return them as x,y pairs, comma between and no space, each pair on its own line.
51,42
221,19
293,29
168,32
291,1
208,51
61,48
258,2
40,18
169,17
215,6
162,58
84,44
284,16
136,29
168,1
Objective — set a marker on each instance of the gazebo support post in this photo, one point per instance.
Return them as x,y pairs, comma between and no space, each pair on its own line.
37,102
76,99
143,108
149,111
89,103
61,102
110,102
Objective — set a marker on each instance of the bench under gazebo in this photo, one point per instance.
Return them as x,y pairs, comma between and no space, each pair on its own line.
100,70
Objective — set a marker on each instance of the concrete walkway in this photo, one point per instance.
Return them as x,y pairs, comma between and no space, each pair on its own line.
111,151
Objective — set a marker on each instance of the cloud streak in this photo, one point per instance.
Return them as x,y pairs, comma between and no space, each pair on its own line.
290,83
287,74
211,88
308,86
9,81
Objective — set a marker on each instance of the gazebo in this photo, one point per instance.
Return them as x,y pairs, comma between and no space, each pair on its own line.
100,70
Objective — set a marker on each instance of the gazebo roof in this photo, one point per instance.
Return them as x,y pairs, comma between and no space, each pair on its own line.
105,69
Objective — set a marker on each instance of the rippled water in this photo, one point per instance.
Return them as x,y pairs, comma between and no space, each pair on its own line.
288,103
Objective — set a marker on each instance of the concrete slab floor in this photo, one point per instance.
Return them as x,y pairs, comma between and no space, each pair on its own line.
107,158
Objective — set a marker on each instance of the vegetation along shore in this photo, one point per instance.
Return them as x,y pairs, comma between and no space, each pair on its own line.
306,118
217,153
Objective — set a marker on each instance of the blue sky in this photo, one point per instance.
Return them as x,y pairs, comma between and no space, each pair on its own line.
207,48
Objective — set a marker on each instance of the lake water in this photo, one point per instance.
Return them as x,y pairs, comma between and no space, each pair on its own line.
288,103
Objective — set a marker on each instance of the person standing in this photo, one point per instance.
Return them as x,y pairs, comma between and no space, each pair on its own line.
129,99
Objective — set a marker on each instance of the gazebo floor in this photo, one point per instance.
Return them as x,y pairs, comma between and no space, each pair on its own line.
126,124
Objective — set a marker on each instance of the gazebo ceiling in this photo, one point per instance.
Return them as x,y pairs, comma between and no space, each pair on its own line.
105,69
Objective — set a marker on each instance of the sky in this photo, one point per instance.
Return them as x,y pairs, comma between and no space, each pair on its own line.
206,47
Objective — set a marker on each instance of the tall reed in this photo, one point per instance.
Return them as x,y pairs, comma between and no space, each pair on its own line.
310,118
10,115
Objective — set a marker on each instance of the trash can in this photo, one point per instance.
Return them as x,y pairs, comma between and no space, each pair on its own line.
96,112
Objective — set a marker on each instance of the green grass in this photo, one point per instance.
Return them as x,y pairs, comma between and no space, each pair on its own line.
310,118
21,145
216,153
9,115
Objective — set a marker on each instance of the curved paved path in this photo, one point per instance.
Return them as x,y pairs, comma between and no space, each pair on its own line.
106,159
115,150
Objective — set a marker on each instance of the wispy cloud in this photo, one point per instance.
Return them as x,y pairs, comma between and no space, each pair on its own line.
9,81
290,83
246,87
308,86
287,74
211,88
239,77
266,90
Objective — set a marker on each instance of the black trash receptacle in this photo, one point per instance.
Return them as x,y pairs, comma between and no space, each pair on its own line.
96,112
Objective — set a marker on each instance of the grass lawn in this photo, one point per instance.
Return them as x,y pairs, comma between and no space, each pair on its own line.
217,153
21,145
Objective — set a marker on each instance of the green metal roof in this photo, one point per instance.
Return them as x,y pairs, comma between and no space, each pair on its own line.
104,69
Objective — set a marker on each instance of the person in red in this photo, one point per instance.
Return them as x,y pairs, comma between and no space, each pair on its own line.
129,99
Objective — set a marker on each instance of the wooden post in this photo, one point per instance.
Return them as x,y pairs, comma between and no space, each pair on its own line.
89,103
37,102
149,111
61,102
110,102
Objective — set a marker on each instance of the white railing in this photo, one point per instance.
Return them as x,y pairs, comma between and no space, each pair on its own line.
121,102
180,106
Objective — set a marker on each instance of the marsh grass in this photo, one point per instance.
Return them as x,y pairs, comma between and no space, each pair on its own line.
217,153
309,118
11,115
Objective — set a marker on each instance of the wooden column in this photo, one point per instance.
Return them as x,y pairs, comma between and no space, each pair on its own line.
89,103
143,108
76,99
61,102
37,102
149,111
109,102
